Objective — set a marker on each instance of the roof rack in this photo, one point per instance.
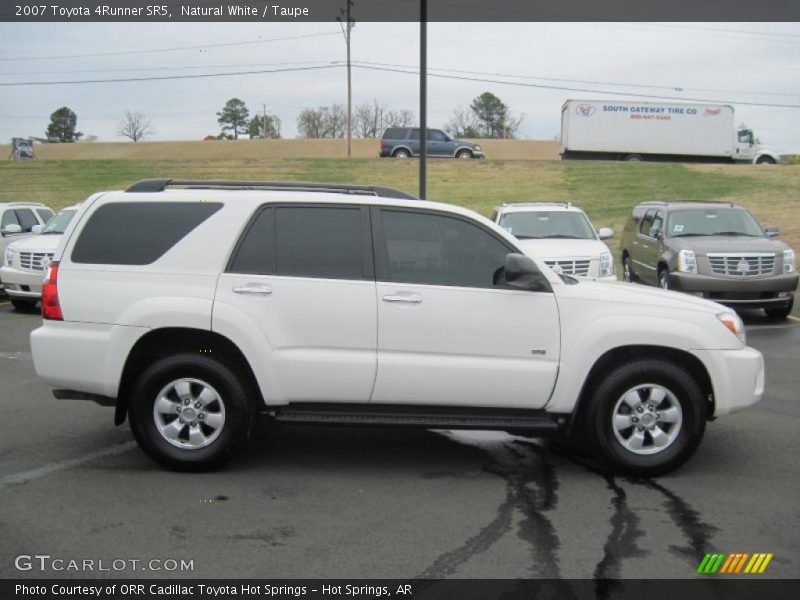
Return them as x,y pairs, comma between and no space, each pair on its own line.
159,185
24,203
668,202
543,203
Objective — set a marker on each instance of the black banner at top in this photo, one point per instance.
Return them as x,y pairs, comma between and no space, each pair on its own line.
298,11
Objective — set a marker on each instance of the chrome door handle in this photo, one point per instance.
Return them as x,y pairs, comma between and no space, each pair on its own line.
408,298
645,246
252,289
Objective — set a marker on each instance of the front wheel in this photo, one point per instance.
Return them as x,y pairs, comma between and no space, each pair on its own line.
190,412
780,312
647,417
627,270
765,160
465,154
663,278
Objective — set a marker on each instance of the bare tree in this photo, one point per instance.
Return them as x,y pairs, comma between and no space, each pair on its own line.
463,123
135,125
311,123
400,118
335,121
369,120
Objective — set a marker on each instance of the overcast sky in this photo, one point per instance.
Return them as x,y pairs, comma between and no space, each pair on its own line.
733,62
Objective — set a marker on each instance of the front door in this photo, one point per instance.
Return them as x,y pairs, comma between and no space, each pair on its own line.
447,335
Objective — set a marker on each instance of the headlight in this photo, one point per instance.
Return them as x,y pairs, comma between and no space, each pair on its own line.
477,147
606,264
788,261
9,258
687,262
734,324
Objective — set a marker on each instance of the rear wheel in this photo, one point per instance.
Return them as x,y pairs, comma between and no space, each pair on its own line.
647,417
190,412
401,153
634,158
780,312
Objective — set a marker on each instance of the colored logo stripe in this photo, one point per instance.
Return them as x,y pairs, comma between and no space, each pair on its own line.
734,563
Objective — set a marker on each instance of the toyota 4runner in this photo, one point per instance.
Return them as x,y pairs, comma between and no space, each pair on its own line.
192,306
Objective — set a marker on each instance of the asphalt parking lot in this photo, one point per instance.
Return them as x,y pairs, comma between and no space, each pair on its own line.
374,503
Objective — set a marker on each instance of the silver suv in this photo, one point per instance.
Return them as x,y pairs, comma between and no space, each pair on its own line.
711,250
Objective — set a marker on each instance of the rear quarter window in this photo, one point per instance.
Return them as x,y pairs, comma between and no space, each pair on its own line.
137,233
394,133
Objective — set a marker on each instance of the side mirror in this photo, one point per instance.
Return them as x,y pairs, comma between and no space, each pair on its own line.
37,229
521,272
657,234
12,229
772,231
605,233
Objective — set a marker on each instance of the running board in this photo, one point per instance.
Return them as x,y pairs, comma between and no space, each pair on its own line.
419,416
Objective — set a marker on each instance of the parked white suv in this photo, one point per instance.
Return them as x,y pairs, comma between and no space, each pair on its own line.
25,261
19,220
561,235
193,309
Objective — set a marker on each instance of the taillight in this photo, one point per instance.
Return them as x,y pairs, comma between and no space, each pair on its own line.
51,309
382,143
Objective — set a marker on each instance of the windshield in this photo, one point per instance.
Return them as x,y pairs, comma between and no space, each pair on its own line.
714,221
58,224
548,224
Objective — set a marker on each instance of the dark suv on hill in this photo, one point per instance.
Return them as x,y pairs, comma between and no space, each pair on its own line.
712,250
403,142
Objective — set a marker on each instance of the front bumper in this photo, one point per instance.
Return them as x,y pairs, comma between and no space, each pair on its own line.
737,377
22,284
762,292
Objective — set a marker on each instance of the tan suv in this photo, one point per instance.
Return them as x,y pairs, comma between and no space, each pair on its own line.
712,250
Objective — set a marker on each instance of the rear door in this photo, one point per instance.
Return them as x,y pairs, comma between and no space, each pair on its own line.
447,334
645,248
303,275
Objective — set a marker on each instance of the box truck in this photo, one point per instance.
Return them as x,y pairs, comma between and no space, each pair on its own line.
615,130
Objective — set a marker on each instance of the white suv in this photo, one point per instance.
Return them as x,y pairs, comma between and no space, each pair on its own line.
192,309
26,260
561,235
19,220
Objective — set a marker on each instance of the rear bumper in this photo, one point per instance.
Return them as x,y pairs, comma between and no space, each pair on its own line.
737,377
757,293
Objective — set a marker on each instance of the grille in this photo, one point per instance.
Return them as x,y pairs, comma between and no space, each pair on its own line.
734,264
32,261
579,267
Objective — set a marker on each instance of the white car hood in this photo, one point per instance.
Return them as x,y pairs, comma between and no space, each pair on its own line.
37,243
563,248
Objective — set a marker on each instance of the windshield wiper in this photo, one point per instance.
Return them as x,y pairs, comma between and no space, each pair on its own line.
526,237
675,235
734,233
563,236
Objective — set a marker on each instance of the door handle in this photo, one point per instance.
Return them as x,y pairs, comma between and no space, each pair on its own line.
407,298
253,289
644,246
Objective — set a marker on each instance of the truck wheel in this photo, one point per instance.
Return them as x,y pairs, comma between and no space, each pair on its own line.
627,270
464,154
647,417
663,278
780,312
401,153
765,160
190,412
634,158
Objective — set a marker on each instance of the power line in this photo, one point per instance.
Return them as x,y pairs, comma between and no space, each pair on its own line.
172,68
791,36
173,49
677,88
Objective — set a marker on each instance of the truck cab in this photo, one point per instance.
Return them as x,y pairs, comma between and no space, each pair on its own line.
748,149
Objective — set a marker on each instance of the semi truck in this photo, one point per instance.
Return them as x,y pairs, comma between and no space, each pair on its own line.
636,131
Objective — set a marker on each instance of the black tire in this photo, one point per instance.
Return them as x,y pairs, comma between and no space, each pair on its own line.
232,393
401,153
23,303
780,312
464,154
765,160
600,413
634,158
663,278
628,274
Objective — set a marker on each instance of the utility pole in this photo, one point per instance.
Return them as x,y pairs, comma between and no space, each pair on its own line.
423,97
264,122
346,31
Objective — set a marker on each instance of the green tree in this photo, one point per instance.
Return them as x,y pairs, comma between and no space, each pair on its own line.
233,116
62,126
494,117
265,127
